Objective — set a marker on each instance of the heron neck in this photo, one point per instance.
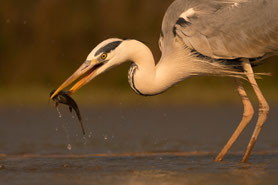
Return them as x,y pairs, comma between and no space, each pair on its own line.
145,77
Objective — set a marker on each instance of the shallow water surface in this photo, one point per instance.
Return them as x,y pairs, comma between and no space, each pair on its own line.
133,146
142,169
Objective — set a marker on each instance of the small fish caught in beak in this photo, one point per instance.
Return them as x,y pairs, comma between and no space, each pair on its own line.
64,98
87,69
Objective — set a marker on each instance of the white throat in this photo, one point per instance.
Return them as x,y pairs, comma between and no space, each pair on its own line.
144,76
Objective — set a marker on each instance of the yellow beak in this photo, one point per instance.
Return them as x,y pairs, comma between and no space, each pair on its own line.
87,69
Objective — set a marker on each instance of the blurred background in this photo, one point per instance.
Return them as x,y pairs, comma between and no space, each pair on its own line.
43,42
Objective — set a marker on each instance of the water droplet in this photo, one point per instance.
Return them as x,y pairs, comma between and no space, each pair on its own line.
90,135
105,137
65,165
84,140
69,147
59,113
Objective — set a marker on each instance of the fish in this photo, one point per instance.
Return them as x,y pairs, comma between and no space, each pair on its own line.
64,98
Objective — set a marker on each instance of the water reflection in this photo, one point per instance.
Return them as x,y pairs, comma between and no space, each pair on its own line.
148,168
146,147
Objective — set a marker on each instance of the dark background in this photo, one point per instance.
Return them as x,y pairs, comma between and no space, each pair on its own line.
43,41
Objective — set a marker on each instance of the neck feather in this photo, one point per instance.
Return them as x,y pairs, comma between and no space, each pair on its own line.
175,65
145,77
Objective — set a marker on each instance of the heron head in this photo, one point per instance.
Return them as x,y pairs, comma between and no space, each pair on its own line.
106,55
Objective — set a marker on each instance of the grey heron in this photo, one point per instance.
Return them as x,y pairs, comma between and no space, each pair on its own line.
199,37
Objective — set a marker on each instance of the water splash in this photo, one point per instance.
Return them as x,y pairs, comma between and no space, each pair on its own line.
64,129
59,113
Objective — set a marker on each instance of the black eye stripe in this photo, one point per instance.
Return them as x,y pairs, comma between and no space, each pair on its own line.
108,48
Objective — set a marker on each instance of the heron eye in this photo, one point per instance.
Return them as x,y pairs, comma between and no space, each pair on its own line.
103,56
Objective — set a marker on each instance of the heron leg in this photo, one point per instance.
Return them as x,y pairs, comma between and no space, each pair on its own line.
247,117
263,108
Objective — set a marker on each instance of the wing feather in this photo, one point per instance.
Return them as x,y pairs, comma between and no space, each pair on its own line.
231,29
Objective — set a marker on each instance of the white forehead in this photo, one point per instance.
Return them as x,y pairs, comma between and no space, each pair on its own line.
91,56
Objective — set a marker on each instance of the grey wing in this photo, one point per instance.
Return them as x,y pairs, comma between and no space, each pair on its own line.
238,29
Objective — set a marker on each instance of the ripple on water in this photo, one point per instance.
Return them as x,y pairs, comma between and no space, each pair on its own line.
138,168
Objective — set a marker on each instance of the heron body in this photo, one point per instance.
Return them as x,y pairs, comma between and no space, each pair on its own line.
199,37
